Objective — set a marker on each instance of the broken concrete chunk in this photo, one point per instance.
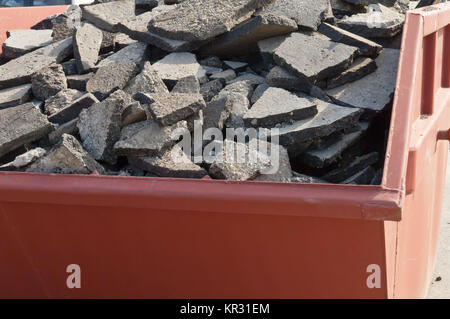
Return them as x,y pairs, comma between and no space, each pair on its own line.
199,20
20,42
360,68
245,88
64,24
148,138
330,118
133,113
280,168
279,106
86,46
28,157
111,78
320,158
67,157
211,89
61,100
19,71
244,37
343,8
73,109
239,107
66,128
169,109
363,177
306,13
379,22
173,163
176,66
366,47
259,91
20,125
132,53
313,58
14,96
188,84
281,78
99,127
250,78
374,91
268,46
148,81
212,61
211,70
217,112
357,165
78,82
235,161
108,15
226,75
48,81
236,65
70,67
305,179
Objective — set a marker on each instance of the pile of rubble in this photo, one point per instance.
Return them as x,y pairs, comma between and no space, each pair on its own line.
102,88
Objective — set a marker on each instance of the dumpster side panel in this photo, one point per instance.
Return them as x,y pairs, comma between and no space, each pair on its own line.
144,253
18,18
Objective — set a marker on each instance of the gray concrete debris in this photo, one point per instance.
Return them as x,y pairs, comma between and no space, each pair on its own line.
19,71
268,46
359,69
176,66
20,42
211,88
212,61
259,91
48,81
15,96
20,125
245,88
217,112
330,118
210,70
306,13
111,78
99,127
375,91
381,22
133,113
343,8
280,169
172,163
28,157
148,81
320,158
250,78
108,15
313,58
357,165
226,75
78,82
64,24
363,177
72,110
168,109
70,67
235,161
366,47
305,179
279,106
86,46
66,128
60,100
244,37
239,107
67,157
200,20
147,138
188,84
281,78
134,53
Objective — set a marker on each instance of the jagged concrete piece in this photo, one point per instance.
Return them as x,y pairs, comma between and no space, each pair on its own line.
172,163
281,78
61,100
374,91
20,125
306,13
280,170
176,66
189,84
15,96
72,110
19,71
357,165
279,106
67,157
244,37
148,81
48,81
108,15
20,42
134,52
28,157
64,24
86,46
314,58
199,20
359,69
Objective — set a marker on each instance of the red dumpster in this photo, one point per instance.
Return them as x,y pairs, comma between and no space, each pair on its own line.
173,238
